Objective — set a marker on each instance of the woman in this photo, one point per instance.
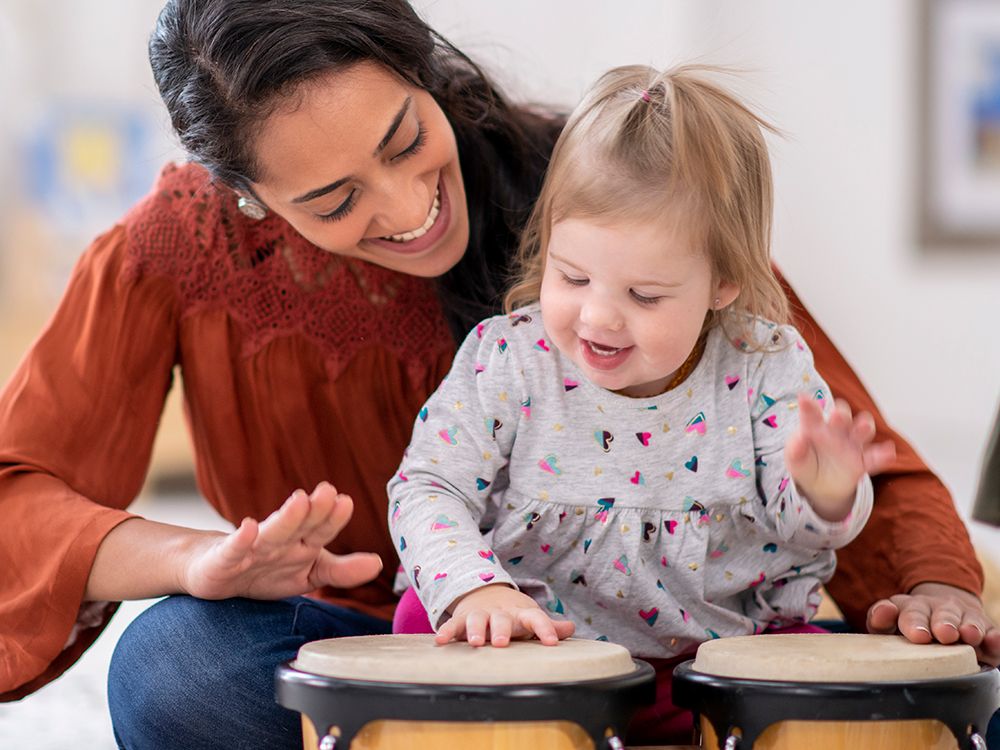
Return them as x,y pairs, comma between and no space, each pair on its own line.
356,192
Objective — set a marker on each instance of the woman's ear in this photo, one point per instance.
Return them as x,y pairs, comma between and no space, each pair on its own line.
726,293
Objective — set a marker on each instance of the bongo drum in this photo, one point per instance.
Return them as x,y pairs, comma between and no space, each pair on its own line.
837,691
405,693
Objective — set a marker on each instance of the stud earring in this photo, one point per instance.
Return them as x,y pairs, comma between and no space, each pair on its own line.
251,208
716,303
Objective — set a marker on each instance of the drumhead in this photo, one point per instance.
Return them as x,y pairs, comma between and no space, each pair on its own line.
833,657
417,659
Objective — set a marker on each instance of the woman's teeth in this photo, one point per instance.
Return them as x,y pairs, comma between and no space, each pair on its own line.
602,351
422,230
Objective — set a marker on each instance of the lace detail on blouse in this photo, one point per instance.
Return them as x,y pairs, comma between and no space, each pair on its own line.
275,282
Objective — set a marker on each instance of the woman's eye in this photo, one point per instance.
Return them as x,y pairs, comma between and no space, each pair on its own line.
573,281
642,299
414,148
343,209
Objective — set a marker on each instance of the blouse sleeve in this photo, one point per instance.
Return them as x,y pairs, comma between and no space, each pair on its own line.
77,422
914,534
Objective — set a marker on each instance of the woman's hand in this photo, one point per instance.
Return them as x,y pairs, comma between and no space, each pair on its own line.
938,612
284,555
499,612
827,457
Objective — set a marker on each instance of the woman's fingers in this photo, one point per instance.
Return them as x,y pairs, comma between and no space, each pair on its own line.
340,512
345,571
285,524
237,545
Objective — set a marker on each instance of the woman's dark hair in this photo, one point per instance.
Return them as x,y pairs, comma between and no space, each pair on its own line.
222,66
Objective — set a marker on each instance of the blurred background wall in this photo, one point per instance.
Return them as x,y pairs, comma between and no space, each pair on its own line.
83,134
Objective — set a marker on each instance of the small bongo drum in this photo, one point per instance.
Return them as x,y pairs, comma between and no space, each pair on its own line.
837,692
405,693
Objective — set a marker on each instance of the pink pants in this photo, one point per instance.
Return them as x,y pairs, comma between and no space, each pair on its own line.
659,724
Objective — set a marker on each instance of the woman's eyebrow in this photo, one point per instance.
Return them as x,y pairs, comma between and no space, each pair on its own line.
393,127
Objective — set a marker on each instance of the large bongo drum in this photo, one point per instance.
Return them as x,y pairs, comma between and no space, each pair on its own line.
837,691
405,693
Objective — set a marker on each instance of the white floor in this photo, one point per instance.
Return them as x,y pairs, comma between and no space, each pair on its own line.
72,711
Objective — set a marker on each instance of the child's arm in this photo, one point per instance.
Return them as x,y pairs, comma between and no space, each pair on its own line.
454,469
826,458
783,381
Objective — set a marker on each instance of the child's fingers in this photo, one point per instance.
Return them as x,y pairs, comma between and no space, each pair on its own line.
564,628
501,625
447,632
810,413
475,627
535,621
863,429
878,457
840,418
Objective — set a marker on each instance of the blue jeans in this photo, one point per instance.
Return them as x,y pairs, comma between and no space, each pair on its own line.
195,674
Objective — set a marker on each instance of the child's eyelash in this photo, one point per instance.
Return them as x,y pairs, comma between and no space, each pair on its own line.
644,300
571,280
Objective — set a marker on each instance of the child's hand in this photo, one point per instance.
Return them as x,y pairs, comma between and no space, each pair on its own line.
827,458
284,555
505,614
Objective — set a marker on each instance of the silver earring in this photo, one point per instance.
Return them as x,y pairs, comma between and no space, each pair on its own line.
251,208
718,301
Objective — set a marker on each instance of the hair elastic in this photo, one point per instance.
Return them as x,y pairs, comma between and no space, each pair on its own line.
645,95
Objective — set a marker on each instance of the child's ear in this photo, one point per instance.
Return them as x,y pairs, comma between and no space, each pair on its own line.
726,293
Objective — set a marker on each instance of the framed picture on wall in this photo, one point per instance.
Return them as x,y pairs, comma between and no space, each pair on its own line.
960,144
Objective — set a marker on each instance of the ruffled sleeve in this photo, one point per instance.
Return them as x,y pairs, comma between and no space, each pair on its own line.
77,422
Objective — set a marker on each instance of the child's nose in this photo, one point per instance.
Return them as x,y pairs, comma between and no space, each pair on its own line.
601,314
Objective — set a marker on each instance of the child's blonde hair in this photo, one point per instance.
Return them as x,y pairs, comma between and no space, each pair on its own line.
645,143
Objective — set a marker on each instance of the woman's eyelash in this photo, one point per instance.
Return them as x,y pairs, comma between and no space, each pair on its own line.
342,210
418,143
345,208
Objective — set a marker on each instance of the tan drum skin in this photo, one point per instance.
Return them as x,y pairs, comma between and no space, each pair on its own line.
816,658
415,658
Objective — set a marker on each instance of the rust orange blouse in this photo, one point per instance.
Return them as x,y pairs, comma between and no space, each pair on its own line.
298,366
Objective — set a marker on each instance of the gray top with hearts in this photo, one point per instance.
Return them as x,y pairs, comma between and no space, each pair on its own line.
656,523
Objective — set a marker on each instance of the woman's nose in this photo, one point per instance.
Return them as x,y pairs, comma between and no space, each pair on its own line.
408,204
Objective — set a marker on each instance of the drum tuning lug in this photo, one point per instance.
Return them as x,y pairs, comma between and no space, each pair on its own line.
978,743
614,743
329,742
732,742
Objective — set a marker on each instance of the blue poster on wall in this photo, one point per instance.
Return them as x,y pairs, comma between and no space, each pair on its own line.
86,163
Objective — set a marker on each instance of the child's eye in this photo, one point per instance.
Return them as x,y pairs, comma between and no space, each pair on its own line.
342,210
572,281
642,299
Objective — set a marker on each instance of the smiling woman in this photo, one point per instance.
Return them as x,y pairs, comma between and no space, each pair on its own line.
391,195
